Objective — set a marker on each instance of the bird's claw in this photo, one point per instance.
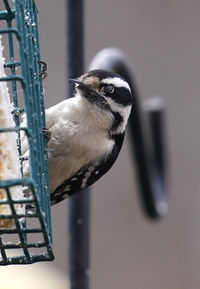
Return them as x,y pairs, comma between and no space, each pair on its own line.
47,133
43,72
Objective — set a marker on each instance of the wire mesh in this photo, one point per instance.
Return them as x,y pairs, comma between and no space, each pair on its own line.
30,238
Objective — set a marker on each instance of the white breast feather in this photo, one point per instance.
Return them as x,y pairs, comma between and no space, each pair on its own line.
79,142
78,136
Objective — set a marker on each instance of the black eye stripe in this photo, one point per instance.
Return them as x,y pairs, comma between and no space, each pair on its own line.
122,96
119,95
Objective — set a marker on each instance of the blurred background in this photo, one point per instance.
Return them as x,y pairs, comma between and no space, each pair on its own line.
162,41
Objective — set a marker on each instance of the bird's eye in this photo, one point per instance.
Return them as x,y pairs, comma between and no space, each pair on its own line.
107,89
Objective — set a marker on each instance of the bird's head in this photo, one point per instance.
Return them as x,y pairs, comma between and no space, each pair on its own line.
107,92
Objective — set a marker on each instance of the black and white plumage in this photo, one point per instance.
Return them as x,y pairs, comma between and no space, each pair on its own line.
87,132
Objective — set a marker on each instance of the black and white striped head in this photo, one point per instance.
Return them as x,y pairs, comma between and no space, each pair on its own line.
107,91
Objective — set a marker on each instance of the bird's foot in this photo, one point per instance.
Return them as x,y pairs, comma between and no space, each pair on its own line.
43,73
47,133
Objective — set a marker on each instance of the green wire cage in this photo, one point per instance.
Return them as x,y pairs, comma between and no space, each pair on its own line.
29,240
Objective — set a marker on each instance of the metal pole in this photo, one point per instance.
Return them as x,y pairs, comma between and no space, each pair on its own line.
147,132
79,204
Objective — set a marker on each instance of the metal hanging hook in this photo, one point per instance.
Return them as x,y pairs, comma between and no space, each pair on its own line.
147,134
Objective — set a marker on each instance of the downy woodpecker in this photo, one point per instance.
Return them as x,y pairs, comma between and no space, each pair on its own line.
87,132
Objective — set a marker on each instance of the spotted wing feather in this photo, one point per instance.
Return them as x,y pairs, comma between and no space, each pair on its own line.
87,175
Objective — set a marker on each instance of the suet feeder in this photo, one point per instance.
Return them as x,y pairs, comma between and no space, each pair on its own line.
25,221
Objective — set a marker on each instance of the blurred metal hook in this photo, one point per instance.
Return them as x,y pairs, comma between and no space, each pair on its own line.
147,134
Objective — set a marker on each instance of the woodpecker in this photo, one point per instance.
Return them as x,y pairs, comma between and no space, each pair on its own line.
86,132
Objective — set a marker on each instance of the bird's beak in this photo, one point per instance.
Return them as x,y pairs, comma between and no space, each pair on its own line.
77,82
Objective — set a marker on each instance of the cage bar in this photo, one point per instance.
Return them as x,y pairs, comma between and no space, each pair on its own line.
29,240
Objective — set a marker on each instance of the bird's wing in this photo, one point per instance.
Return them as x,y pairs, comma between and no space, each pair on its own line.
87,175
